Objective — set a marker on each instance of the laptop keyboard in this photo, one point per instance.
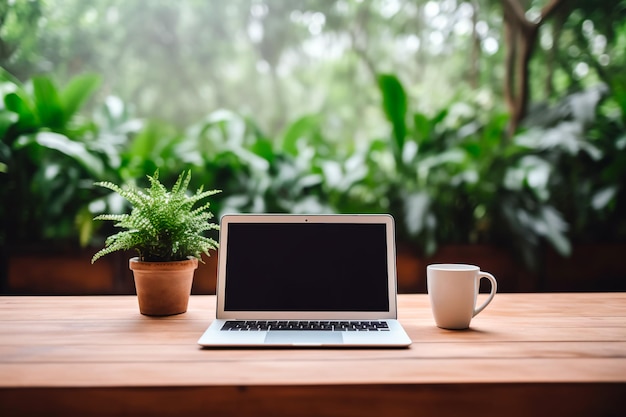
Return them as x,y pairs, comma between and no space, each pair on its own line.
341,326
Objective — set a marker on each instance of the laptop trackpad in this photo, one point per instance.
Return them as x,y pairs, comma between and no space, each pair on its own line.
303,337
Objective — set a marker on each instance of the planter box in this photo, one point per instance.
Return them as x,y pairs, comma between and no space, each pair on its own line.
205,279
35,271
511,276
590,268
63,272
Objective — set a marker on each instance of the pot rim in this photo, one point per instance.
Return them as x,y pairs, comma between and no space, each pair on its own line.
135,264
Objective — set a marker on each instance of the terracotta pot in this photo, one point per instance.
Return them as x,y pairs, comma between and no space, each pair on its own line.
163,288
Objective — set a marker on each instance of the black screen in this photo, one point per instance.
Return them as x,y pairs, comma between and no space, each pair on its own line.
306,267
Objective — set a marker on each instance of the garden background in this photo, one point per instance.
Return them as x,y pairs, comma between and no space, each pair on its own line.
493,131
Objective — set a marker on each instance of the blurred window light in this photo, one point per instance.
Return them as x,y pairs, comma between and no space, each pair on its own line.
440,22
465,11
412,43
295,16
581,69
258,10
490,45
463,27
546,40
604,59
588,27
389,8
316,23
431,9
533,15
482,28
262,66
255,31
598,44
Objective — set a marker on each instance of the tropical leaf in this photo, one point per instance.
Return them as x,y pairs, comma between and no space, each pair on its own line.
73,149
302,129
74,95
48,103
395,107
19,103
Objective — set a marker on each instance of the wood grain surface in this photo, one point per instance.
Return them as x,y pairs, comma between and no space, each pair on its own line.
526,354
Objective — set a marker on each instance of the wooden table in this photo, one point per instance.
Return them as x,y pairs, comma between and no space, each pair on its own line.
525,355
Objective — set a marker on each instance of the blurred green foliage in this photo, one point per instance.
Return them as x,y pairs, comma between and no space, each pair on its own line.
49,155
357,107
453,177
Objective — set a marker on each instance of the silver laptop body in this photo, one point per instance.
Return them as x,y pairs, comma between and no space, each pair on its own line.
306,281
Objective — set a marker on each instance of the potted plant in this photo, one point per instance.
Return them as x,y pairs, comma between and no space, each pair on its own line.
168,234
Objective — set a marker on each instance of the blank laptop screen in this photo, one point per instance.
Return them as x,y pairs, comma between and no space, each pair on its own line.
306,267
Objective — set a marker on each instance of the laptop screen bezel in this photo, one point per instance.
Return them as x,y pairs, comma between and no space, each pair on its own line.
386,219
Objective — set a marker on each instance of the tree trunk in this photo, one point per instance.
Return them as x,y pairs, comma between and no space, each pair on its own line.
520,35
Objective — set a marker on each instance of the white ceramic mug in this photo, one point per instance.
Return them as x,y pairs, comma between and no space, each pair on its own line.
453,290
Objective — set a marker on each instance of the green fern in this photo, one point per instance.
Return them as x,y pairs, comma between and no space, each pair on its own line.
162,225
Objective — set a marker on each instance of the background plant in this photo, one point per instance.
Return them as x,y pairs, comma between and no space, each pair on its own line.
452,177
456,177
49,155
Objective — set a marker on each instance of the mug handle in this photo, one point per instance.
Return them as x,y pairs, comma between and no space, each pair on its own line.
494,288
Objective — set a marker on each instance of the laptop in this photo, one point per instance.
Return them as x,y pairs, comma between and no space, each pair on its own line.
306,281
